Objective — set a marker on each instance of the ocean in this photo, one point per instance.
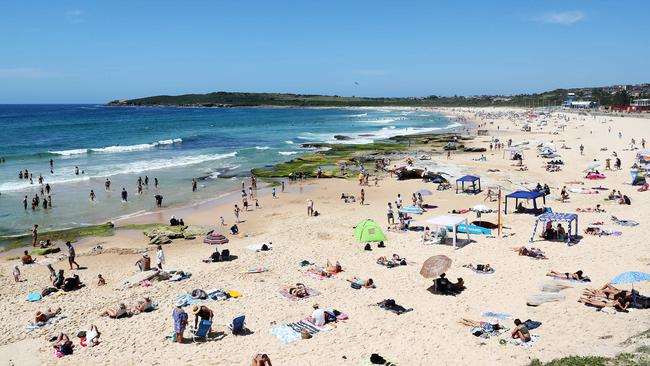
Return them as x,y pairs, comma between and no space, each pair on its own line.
173,145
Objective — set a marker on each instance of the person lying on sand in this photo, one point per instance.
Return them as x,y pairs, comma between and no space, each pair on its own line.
520,332
333,268
115,312
619,302
483,325
92,336
42,317
298,291
608,291
63,344
261,360
532,252
396,260
198,294
367,284
479,267
569,276
319,272
141,306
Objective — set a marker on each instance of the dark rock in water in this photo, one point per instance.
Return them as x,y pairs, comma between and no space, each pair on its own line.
416,173
475,149
366,135
342,137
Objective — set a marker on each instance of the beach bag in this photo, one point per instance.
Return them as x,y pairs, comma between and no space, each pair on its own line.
225,254
355,286
367,247
264,247
376,359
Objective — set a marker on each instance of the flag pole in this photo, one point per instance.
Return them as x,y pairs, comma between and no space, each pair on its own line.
499,217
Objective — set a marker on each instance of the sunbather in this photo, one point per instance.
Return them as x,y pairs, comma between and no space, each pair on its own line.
141,306
483,325
261,360
569,276
115,311
532,252
367,284
333,268
520,332
26,259
198,294
92,336
320,272
479,267
396,260
63,344
608,291
72,283
42,317
619,302
298,291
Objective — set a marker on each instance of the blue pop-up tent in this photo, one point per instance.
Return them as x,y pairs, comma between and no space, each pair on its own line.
558,217
469,179
524,195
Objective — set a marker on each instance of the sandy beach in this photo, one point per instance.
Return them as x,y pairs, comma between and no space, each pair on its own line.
428,334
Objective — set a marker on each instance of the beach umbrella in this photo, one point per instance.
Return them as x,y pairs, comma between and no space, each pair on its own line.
630,277
368,230
215,239
481,208
435,266
425,192
593,165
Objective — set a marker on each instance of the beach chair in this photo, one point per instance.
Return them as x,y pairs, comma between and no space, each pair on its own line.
238,325
202,331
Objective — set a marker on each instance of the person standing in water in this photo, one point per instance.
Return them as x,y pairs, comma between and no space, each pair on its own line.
194,186
51,164
125,194
107,185
76,170
34,235
155,182
25,202
91,196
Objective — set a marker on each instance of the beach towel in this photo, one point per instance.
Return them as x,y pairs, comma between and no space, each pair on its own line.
33,296
315,276
310,293
285,334
518,342
307,326
180,275
491,271
584,280
213,295
490,314
394,307
258,247
38,325
488,331
254,270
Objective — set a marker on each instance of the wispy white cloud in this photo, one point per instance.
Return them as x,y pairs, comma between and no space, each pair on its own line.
74,16
564,18
26,73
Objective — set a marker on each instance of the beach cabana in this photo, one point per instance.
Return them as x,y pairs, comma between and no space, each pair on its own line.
524,195
448,221
557,217
474,180
513,153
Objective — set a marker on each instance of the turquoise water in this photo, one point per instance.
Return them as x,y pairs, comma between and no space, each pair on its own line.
171,144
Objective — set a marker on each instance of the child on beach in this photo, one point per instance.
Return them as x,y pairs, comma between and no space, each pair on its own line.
16,274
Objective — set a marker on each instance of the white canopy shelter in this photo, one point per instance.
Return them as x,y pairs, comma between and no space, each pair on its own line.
453,221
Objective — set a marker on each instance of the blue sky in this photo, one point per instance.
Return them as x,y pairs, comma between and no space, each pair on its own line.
95,51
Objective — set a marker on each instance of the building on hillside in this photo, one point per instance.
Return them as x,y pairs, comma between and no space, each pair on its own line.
639,105
579,104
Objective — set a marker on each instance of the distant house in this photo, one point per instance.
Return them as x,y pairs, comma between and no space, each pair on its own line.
579,104
639,105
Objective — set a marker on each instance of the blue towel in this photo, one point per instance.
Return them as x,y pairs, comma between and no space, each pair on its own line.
489,314
285,334
33,296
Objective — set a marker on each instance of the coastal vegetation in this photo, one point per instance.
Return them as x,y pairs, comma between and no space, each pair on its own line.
72,234
606,96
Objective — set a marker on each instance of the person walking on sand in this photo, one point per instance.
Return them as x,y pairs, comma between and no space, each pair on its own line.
160,257
236,211
34,235
363,197
310,207
390,214
282,183
71,255
448,155
272,193
582,149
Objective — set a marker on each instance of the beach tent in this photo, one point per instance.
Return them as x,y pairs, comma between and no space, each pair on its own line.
513,152
643,158
638,178
557,217
447,221
521,195
469,179
368,230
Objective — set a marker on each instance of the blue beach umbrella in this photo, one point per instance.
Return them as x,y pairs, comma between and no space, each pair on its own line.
425,192
630,277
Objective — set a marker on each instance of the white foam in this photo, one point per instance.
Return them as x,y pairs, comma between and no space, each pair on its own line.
118,148
289,142
357,115
288,152
262,147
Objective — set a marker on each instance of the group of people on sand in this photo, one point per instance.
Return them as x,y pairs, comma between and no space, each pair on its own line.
120,310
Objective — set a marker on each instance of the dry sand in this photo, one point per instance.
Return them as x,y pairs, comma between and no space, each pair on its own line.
429,334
